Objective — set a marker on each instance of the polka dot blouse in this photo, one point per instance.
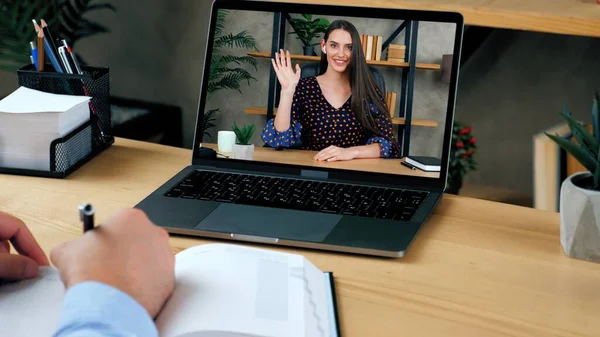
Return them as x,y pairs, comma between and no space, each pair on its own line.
317,124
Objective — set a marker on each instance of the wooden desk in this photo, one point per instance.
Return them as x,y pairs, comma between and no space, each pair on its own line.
477,269
571,17
302,157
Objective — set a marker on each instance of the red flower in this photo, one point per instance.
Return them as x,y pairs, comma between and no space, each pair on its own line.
460,145
464,131
473,140
467,154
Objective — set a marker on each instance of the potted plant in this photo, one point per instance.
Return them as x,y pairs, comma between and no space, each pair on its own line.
580,192
463,146
307,29
243,148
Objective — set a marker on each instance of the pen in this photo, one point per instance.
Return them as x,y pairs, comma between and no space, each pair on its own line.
33,54
86,215
409,166
73,58
65,59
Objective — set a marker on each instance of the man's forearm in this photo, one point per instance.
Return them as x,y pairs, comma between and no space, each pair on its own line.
93,309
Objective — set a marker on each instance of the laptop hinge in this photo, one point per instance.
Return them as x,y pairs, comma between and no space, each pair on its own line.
314,174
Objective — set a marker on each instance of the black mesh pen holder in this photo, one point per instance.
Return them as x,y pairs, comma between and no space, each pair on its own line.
66,154
69,152
95,82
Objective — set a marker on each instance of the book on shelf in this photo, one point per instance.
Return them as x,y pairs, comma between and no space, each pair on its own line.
220,290
372,46
425,163
31,119
551,166
390,100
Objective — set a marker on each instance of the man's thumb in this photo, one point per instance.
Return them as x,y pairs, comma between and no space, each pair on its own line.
17,267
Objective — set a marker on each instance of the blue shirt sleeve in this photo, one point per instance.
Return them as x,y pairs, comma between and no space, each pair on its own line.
388,144
278,139
289,137
94,309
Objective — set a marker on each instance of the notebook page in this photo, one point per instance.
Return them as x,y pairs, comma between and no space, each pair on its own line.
236,290
32,307
25,100
316,307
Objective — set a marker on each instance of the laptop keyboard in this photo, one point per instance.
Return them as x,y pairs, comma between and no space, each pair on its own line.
305,195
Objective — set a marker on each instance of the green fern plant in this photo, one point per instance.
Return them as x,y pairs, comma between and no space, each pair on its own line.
586,150
65,21
244,134
226,71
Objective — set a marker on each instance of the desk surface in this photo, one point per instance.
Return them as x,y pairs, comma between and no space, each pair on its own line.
302,157
477,268
572,17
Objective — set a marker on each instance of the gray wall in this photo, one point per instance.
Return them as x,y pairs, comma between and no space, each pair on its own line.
513,88
430,97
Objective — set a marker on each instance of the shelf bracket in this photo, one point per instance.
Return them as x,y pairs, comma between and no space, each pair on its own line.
395,34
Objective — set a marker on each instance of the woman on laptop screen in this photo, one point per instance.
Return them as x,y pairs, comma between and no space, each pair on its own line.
341,112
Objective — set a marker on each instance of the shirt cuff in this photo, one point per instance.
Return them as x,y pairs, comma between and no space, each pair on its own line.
93,307
387,150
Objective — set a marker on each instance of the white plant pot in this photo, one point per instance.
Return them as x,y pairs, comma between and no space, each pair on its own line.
580,219
245,152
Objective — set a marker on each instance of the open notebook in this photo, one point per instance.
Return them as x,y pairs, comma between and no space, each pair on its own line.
221,290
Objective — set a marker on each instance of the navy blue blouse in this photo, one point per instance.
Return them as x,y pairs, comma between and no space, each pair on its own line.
320,125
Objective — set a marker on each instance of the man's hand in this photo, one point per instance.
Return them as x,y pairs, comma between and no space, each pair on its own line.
25,265
127,252
334,153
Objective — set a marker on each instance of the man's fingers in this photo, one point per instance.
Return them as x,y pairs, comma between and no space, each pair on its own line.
288,58
334,158
275,66
15,230
4,247
17,267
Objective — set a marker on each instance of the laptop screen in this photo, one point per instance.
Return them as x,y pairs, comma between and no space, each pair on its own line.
313,88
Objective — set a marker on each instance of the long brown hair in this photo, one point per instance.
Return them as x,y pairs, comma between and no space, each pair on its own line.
363,85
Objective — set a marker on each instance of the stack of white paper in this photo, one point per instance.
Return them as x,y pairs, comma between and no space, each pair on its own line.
30,120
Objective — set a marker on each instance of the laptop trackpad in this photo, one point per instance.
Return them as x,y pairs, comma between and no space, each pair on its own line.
270,222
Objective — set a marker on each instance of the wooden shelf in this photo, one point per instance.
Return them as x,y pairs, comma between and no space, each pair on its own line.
572,17
424,66
256,110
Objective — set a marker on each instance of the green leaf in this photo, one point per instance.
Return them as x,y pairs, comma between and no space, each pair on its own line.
597,174
595,117
582,135
582,157
93,7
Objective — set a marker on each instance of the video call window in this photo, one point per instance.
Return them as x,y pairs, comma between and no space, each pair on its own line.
338,91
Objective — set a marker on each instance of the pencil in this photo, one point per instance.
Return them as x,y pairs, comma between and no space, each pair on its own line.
40,50
48,35
36,26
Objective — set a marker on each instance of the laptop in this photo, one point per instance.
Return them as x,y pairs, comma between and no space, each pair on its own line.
284,190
